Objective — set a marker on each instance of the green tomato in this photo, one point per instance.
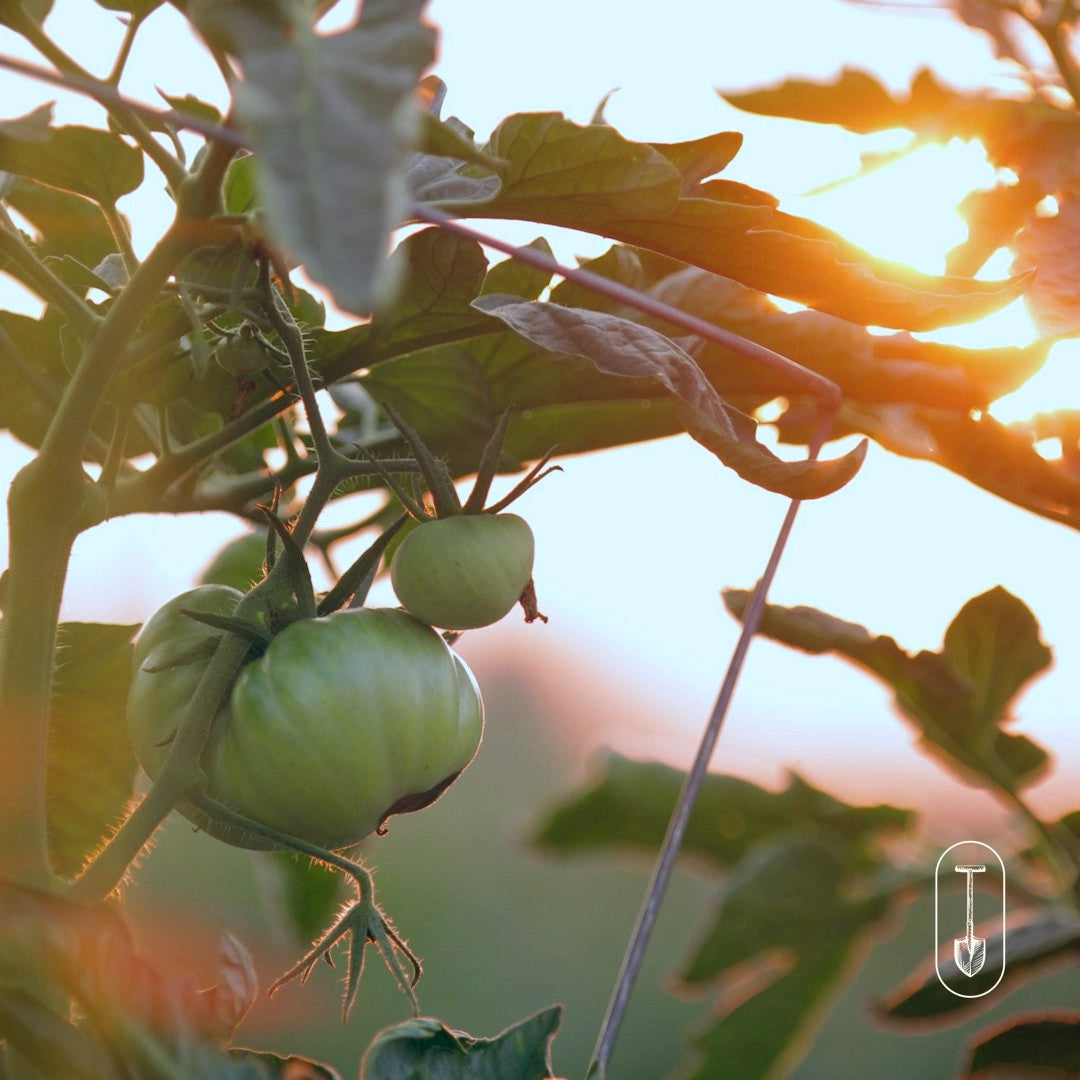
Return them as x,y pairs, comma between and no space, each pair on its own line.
465,571
344,721
241,356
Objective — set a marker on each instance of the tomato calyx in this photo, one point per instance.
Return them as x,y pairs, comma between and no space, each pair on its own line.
440,484
258,637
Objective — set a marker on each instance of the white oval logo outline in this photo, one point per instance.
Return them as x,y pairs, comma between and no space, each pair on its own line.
937,938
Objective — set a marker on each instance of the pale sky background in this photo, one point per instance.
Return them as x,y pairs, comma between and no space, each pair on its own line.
634,545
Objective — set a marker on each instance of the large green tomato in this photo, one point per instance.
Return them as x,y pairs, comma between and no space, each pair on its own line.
344,721
464,571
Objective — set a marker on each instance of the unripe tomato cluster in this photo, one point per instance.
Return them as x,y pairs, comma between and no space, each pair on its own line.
342,722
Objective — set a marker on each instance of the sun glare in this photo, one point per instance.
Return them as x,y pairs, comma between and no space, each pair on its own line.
906,211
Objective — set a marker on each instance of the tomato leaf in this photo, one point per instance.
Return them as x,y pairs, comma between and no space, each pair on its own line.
578,427
139,8
591,178
615,346
91,773
68,224
35,9
993,644
332,120
1045,944
958,698
619,264
32,374
452,139
630,802
867,367
443,394
1048,245
578,174
784,936
855,100
426,1049
439,275
515,278
227,1002
240,189
993,218
698,159
84,161
860,103
1046,1046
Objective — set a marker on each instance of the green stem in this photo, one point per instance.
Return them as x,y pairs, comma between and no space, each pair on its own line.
120,234
1060,849
42,506
293,340
124,53
67,433
45,507
144,492
115,457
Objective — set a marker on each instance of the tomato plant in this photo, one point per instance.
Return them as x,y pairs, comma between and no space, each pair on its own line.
192,374
465,571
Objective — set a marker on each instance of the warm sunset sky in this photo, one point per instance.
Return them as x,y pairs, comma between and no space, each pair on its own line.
634,545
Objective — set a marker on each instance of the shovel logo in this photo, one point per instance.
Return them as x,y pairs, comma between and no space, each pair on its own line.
969,951
975,963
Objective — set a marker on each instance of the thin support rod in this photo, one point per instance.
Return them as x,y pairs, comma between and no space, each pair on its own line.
669,851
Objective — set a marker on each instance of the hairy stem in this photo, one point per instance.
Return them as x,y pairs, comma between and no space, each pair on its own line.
180,774
48,506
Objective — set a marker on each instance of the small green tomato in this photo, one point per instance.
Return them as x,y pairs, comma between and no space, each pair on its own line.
463,571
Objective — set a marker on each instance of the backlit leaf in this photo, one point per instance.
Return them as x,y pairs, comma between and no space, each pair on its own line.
91,772
425,1049
332,121
81,160
614,346
1043,1046
1049,245
629,804
1044,944
591,178
958,698
68,224
783,938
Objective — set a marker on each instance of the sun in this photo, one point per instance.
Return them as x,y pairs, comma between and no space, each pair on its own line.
906,210
903,205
